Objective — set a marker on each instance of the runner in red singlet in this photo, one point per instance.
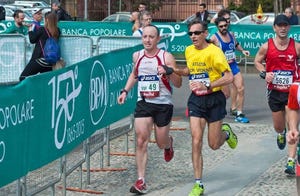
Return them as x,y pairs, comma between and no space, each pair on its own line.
281,69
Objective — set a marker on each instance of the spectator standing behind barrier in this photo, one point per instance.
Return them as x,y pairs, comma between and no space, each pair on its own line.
37,18
145,19
208,71
218,8
154,107
293,18
281,68
135,19
37,63
61,13
228,43
203,14
142,7
2,13
19,26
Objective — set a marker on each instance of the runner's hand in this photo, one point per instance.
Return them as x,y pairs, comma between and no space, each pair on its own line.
292,136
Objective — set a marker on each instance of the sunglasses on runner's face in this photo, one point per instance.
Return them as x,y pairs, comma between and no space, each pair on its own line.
195,32
223,26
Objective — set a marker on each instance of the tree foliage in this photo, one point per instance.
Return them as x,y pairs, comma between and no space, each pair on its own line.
152,6
250,6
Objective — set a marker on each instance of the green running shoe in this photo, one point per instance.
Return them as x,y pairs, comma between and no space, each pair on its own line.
281,140
232,141
290,168
233,112
197,190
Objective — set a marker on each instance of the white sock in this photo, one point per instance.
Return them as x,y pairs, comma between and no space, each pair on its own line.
142,178
291,159
282,132
198,181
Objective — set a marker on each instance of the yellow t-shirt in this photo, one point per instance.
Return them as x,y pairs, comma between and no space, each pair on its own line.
210,61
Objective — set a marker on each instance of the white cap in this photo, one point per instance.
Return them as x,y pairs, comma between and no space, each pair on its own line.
35,11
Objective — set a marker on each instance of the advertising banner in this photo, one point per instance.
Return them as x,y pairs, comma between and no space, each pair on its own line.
46,116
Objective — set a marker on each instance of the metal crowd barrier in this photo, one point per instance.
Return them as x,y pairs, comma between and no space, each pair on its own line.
15,53
108,43
12,57
47,179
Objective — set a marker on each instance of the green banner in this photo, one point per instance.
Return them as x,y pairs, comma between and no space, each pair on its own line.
250,36
47,115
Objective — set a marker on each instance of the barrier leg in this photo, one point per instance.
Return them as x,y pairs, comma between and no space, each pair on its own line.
108,145
87,160
64,175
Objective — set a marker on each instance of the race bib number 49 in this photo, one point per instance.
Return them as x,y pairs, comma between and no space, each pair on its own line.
148,86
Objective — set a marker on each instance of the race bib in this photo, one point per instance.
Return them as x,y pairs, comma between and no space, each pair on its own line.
203,78
282,79
148,86
230,56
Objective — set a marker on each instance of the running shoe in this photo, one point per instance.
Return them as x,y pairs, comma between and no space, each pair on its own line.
281,140
139,187
169,153
232,141
241,118
233,112
290,167
197,190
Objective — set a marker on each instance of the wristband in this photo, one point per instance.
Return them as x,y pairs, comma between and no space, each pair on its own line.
169,70
124,91
263,74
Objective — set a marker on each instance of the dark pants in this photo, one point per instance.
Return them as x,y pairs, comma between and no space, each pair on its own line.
35,66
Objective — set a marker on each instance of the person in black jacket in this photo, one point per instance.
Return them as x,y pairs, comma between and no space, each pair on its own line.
37,63
61,13
203,14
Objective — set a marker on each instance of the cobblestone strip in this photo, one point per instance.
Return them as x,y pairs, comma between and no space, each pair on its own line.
162,177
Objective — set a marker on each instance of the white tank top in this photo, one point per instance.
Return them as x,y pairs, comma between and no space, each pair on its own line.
152,87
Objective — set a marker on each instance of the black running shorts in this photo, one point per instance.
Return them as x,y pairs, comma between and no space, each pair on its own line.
277,100
212,107
161,113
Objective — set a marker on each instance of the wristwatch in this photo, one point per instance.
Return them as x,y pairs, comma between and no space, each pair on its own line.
263,74
207,85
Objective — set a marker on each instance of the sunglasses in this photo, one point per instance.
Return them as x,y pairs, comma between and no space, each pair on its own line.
195,32
222,26
227,18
